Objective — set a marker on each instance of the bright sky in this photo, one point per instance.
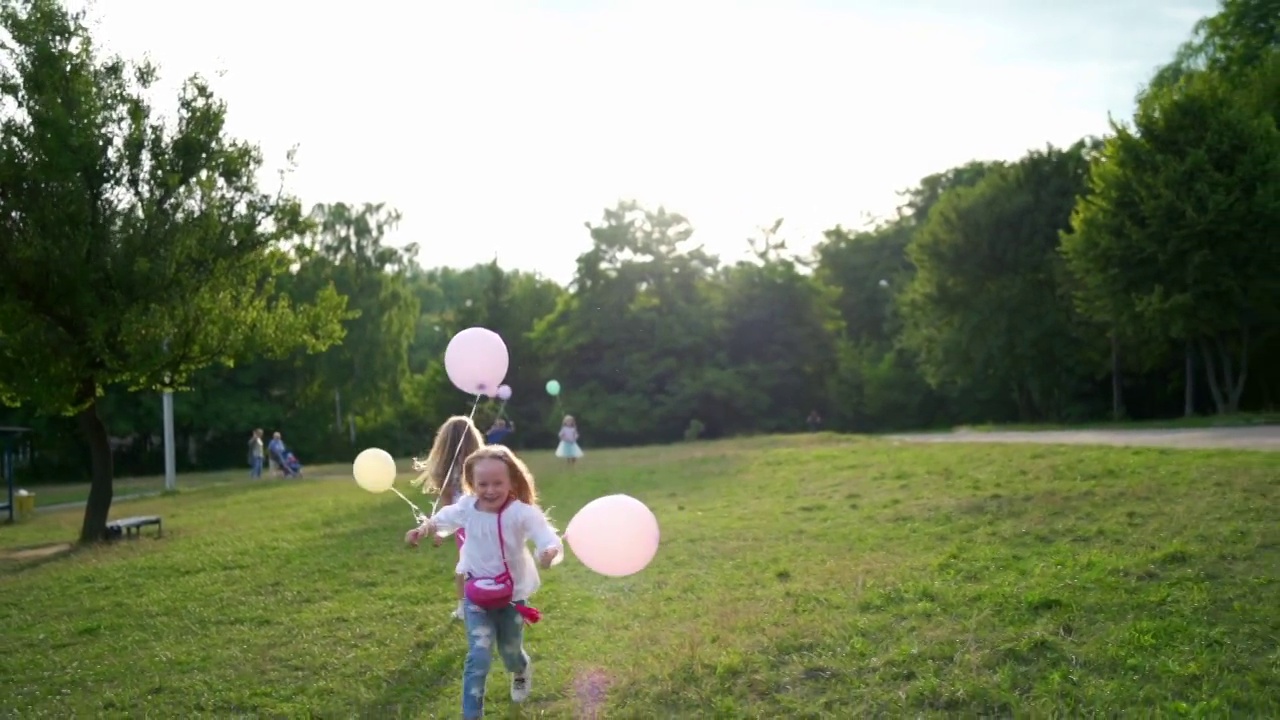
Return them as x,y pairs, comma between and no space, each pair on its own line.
500,127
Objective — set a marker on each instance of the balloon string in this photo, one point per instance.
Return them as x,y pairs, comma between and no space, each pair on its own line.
448,476
417,512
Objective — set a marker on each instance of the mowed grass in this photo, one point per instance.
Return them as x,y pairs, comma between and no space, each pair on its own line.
803,577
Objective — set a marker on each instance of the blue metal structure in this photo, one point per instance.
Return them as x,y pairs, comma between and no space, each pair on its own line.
9,458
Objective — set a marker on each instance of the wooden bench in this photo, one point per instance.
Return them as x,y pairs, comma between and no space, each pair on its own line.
132,526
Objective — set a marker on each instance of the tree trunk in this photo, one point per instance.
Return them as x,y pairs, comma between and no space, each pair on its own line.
1117,396
1189,383
1023,400
1211,374
1234,392
1228,388
98,507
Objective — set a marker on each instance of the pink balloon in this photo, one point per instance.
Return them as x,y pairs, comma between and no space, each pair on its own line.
476,361
504,392
616,535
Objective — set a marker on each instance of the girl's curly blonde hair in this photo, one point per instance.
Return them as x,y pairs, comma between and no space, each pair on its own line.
456,439
523,485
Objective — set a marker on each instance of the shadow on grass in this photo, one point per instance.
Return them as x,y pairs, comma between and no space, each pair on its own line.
238,487
433,665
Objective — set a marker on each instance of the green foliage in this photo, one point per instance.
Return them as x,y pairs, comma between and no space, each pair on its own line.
665,354
987,310
866,268
780,329
1241,36
346,251
695,430
1177,236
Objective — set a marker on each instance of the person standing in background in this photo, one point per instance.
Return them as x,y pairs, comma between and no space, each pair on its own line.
256,454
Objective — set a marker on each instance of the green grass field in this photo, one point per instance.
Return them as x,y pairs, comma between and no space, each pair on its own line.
804,577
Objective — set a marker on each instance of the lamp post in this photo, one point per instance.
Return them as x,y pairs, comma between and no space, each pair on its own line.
170,456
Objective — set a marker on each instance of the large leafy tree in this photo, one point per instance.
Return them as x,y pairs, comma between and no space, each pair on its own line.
1238,43
135,251
1178,234
634,346
1242,35
780,327
877,385
988,307
361,379
865,267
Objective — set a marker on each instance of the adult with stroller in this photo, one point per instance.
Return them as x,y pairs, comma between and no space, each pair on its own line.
280,458
498,434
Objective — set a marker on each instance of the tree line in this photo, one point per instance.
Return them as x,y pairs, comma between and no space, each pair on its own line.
1135,275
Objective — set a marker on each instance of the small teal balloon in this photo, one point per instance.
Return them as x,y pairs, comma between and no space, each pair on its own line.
553,388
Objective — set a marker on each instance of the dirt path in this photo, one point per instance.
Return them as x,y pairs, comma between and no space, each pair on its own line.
1265,437
36,552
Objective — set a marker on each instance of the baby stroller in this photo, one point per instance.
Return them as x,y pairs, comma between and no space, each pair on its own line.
287,462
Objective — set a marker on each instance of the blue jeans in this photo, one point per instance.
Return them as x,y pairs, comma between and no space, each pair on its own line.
485,629
255,469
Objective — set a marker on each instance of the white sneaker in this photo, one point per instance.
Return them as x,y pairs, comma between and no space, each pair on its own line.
520,683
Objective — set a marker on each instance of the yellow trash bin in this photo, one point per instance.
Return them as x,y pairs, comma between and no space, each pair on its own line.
24,504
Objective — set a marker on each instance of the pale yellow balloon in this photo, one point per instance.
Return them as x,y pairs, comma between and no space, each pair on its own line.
375,470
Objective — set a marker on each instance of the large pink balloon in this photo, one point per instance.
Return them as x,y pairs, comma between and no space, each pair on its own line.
476,361
616,535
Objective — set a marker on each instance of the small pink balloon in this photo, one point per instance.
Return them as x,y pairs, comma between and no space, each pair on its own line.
504,392
616,535
476,361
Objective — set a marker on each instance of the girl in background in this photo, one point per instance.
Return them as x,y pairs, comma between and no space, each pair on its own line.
568,448
456,440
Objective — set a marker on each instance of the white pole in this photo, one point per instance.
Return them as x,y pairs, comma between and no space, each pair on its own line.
170,456
170,452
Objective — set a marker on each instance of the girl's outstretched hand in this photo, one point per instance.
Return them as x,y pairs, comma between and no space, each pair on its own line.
547,556
414,536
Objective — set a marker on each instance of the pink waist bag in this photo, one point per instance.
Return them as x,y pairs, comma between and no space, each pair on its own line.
495,593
